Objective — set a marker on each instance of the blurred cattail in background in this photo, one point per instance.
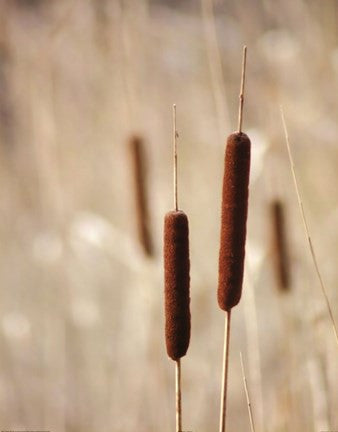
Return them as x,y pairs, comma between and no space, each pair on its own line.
138,168
6,103
29,3
279,245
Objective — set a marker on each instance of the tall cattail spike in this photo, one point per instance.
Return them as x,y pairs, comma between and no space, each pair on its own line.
234,210
176,283
233,232
177,280
233,223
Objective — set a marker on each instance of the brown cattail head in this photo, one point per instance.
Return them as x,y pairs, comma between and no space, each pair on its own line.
176,283
233,223
279,246
140,195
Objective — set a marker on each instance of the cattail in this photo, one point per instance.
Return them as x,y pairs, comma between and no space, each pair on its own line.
177,280
279,245
176,284
140,196
233,233
233,224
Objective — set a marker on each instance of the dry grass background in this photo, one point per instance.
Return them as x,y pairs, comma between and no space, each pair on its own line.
81,308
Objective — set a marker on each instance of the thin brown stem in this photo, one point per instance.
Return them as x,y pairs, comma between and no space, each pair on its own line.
178,396
222,421
252,425
306,228
175,136
241,95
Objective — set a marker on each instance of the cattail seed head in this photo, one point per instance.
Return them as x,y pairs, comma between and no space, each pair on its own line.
233,223
279,246
136,146
176,283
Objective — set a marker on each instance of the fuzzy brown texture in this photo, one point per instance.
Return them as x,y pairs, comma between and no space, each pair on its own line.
233,223
29,3
140,193
176,284
279,246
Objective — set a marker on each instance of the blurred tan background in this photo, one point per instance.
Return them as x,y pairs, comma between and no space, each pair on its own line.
81,306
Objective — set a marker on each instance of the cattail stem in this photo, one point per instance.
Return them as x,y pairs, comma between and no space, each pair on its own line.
307,232
241,95
178,396
222,421
175,136
252,425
